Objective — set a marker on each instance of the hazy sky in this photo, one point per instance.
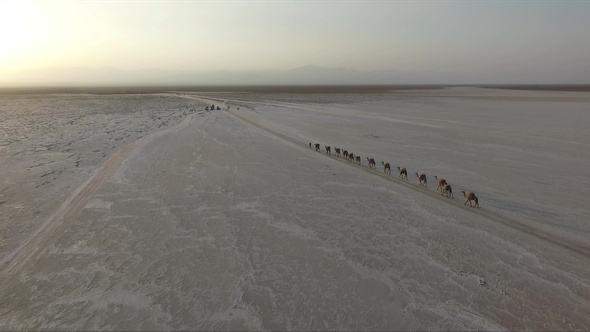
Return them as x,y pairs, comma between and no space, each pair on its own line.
462,38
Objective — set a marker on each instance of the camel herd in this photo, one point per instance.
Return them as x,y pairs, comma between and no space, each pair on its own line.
442,185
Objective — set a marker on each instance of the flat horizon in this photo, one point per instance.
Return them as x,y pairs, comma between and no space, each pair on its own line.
278,88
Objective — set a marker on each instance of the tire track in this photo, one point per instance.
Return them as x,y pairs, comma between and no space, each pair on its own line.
34,246
573,245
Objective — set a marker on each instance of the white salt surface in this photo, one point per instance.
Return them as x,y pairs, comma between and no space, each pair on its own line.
50,144
229,221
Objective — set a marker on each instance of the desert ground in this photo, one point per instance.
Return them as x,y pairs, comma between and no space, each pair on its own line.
146,212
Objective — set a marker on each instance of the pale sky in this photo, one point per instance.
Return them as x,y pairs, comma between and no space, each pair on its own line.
456,38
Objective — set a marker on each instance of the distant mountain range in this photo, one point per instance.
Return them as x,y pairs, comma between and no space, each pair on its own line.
307,75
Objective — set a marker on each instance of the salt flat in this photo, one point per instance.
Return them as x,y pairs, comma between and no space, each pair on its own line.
228,220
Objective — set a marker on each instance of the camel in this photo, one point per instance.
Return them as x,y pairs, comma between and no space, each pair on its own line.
471,197
441,183
328,150
357,159
345,154
386,167
402,173
310,145
422,179
351,157
337,152
317,147
448,190
371,162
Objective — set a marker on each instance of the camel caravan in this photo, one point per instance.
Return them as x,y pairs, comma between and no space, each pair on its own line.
213,107
443,186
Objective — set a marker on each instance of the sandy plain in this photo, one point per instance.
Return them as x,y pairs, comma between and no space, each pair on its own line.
226,220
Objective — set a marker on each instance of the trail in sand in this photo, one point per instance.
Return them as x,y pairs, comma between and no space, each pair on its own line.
71,208
570,242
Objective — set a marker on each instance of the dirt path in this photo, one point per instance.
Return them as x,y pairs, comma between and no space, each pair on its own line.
71,208
574,245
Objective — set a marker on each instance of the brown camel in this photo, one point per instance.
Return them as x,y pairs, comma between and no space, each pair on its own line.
317,147
441,183
337,152
471,197
357,159
328,150
386,167
371,162
422,179
403,173
448,190
350,157
345,154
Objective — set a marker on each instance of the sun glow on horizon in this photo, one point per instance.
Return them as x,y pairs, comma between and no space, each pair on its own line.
440,41
36,35
24,35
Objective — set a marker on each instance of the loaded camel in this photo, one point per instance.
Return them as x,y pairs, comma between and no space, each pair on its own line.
371,162
403,174
441,183
471,197
357,159
337,152
345,154
448,190
422,179
328,150
386,167
317,147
